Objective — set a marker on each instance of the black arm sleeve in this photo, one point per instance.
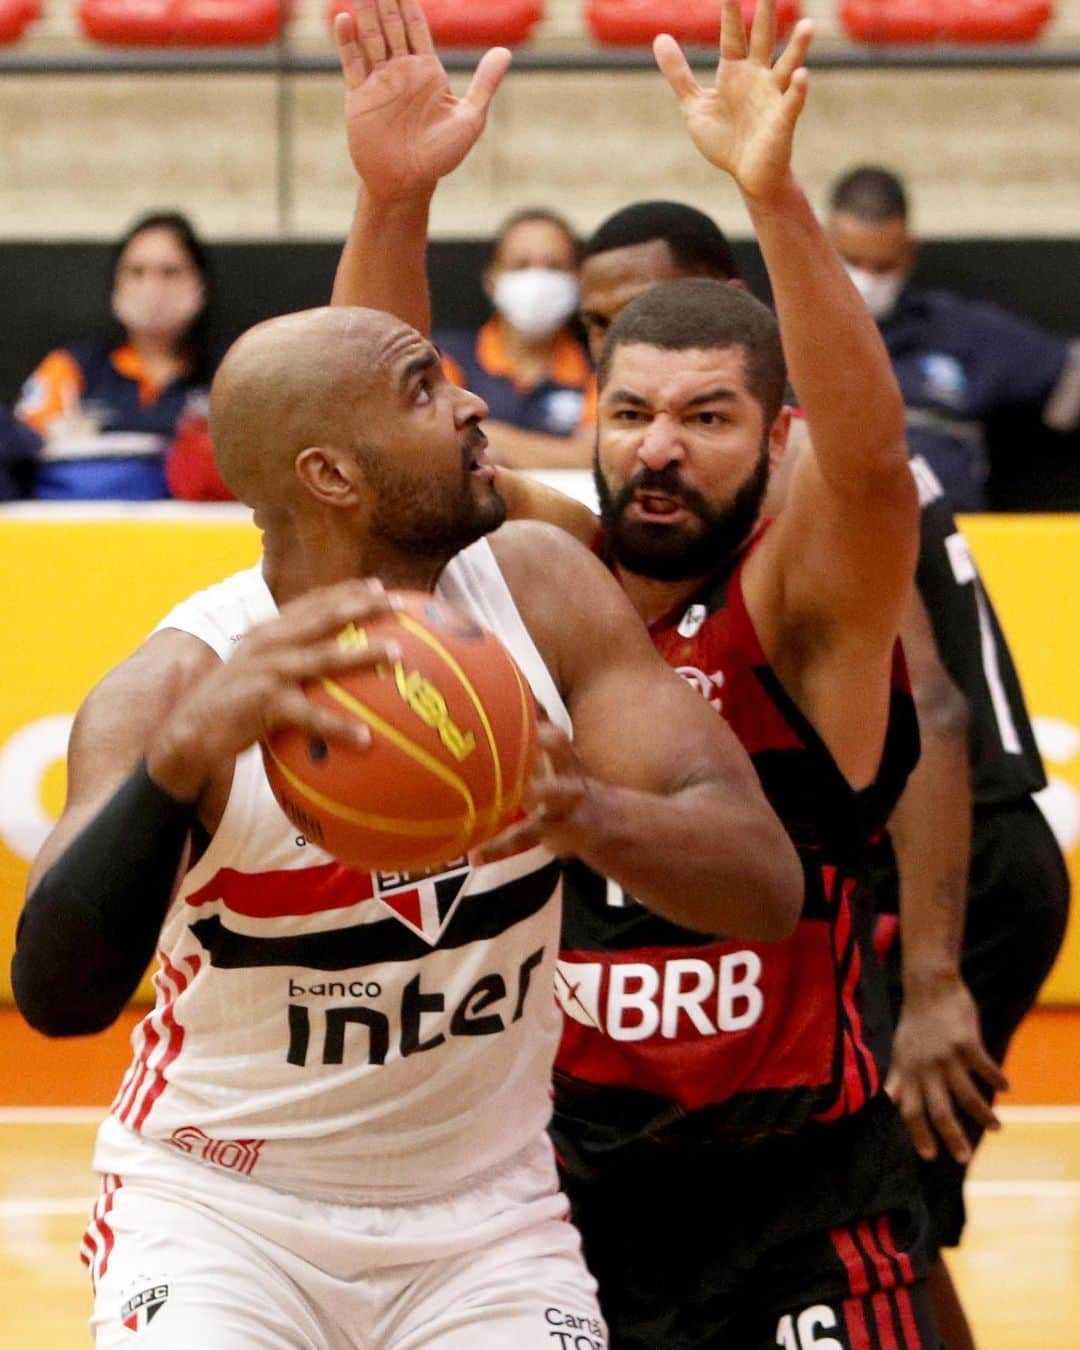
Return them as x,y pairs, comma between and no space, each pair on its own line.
88,930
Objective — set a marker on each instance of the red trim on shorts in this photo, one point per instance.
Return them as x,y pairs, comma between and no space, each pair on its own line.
852,1261
99,1238
907,1320
886,1275
888,1244
855,1319
104,1227
883,1318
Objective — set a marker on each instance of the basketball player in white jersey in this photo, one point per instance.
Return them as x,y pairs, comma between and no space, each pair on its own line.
332,1133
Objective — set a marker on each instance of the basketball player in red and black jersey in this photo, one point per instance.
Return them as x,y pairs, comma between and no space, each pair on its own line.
740,1176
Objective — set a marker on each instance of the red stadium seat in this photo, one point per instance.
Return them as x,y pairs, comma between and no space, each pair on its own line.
182,23
962,21
14,17
474,23
892,21
974,21
636,22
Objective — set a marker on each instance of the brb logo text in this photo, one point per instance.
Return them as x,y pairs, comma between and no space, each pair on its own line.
637,1001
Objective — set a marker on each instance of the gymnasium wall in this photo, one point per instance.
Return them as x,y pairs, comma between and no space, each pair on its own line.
987,152
80,588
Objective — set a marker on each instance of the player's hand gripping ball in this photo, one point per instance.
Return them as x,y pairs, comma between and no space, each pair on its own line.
453,745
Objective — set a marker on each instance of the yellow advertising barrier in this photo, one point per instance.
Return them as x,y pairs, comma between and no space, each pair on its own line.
78,592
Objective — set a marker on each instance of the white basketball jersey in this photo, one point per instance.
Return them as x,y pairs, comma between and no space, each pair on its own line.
348,1036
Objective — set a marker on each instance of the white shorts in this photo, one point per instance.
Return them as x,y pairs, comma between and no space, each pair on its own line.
185,1258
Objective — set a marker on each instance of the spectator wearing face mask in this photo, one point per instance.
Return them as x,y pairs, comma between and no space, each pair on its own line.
525,362
106,410
957,361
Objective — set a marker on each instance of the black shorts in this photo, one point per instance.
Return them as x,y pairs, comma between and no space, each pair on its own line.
815,1240
1017,913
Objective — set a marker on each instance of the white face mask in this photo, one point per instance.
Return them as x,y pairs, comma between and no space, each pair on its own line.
159,310
537,301
879,290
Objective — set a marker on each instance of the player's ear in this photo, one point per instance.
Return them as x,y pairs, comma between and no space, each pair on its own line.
331,475
780,433
787,439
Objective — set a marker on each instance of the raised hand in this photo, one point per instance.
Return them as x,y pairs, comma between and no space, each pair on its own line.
405,127
744,123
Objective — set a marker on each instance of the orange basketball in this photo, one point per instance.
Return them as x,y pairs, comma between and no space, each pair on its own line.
453,727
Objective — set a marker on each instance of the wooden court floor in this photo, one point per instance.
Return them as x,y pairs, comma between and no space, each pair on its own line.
1019,1269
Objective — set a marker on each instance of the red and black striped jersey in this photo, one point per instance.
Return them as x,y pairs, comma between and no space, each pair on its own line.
680,1039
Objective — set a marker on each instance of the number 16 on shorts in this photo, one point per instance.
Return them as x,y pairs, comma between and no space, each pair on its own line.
801,1331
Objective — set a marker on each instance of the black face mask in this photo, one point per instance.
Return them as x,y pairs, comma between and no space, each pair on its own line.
673,553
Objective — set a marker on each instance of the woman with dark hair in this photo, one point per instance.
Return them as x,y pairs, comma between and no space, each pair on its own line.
107,409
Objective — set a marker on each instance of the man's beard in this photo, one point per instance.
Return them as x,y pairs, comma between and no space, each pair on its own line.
673,552
427,519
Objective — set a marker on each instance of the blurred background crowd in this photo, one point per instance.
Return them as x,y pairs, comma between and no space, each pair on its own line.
964,245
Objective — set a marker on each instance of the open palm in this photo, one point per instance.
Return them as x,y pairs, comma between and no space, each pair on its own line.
405,127
745,122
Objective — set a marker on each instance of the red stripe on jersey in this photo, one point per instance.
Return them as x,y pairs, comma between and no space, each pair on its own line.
886,932
860,1078
151,1038
850,1092
858,1336
884,1322
870,1067
176,1035
852,1260
273,895
912,1338
888,1245
699,1025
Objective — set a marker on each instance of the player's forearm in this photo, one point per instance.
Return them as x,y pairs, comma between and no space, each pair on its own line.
931,832
90,924
837,362
384,262
703,857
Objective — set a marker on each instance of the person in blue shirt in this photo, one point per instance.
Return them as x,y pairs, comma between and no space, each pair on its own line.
19,446
107,410
957,361
525,362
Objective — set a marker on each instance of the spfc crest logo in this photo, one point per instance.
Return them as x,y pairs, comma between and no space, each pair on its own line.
423,901
138,1311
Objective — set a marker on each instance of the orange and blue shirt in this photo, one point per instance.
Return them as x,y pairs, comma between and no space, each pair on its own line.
105,424
479,361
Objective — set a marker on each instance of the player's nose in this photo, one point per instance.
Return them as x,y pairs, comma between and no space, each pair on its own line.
662,444
470,407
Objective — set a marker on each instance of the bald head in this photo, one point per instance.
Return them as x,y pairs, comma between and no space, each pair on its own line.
294,382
